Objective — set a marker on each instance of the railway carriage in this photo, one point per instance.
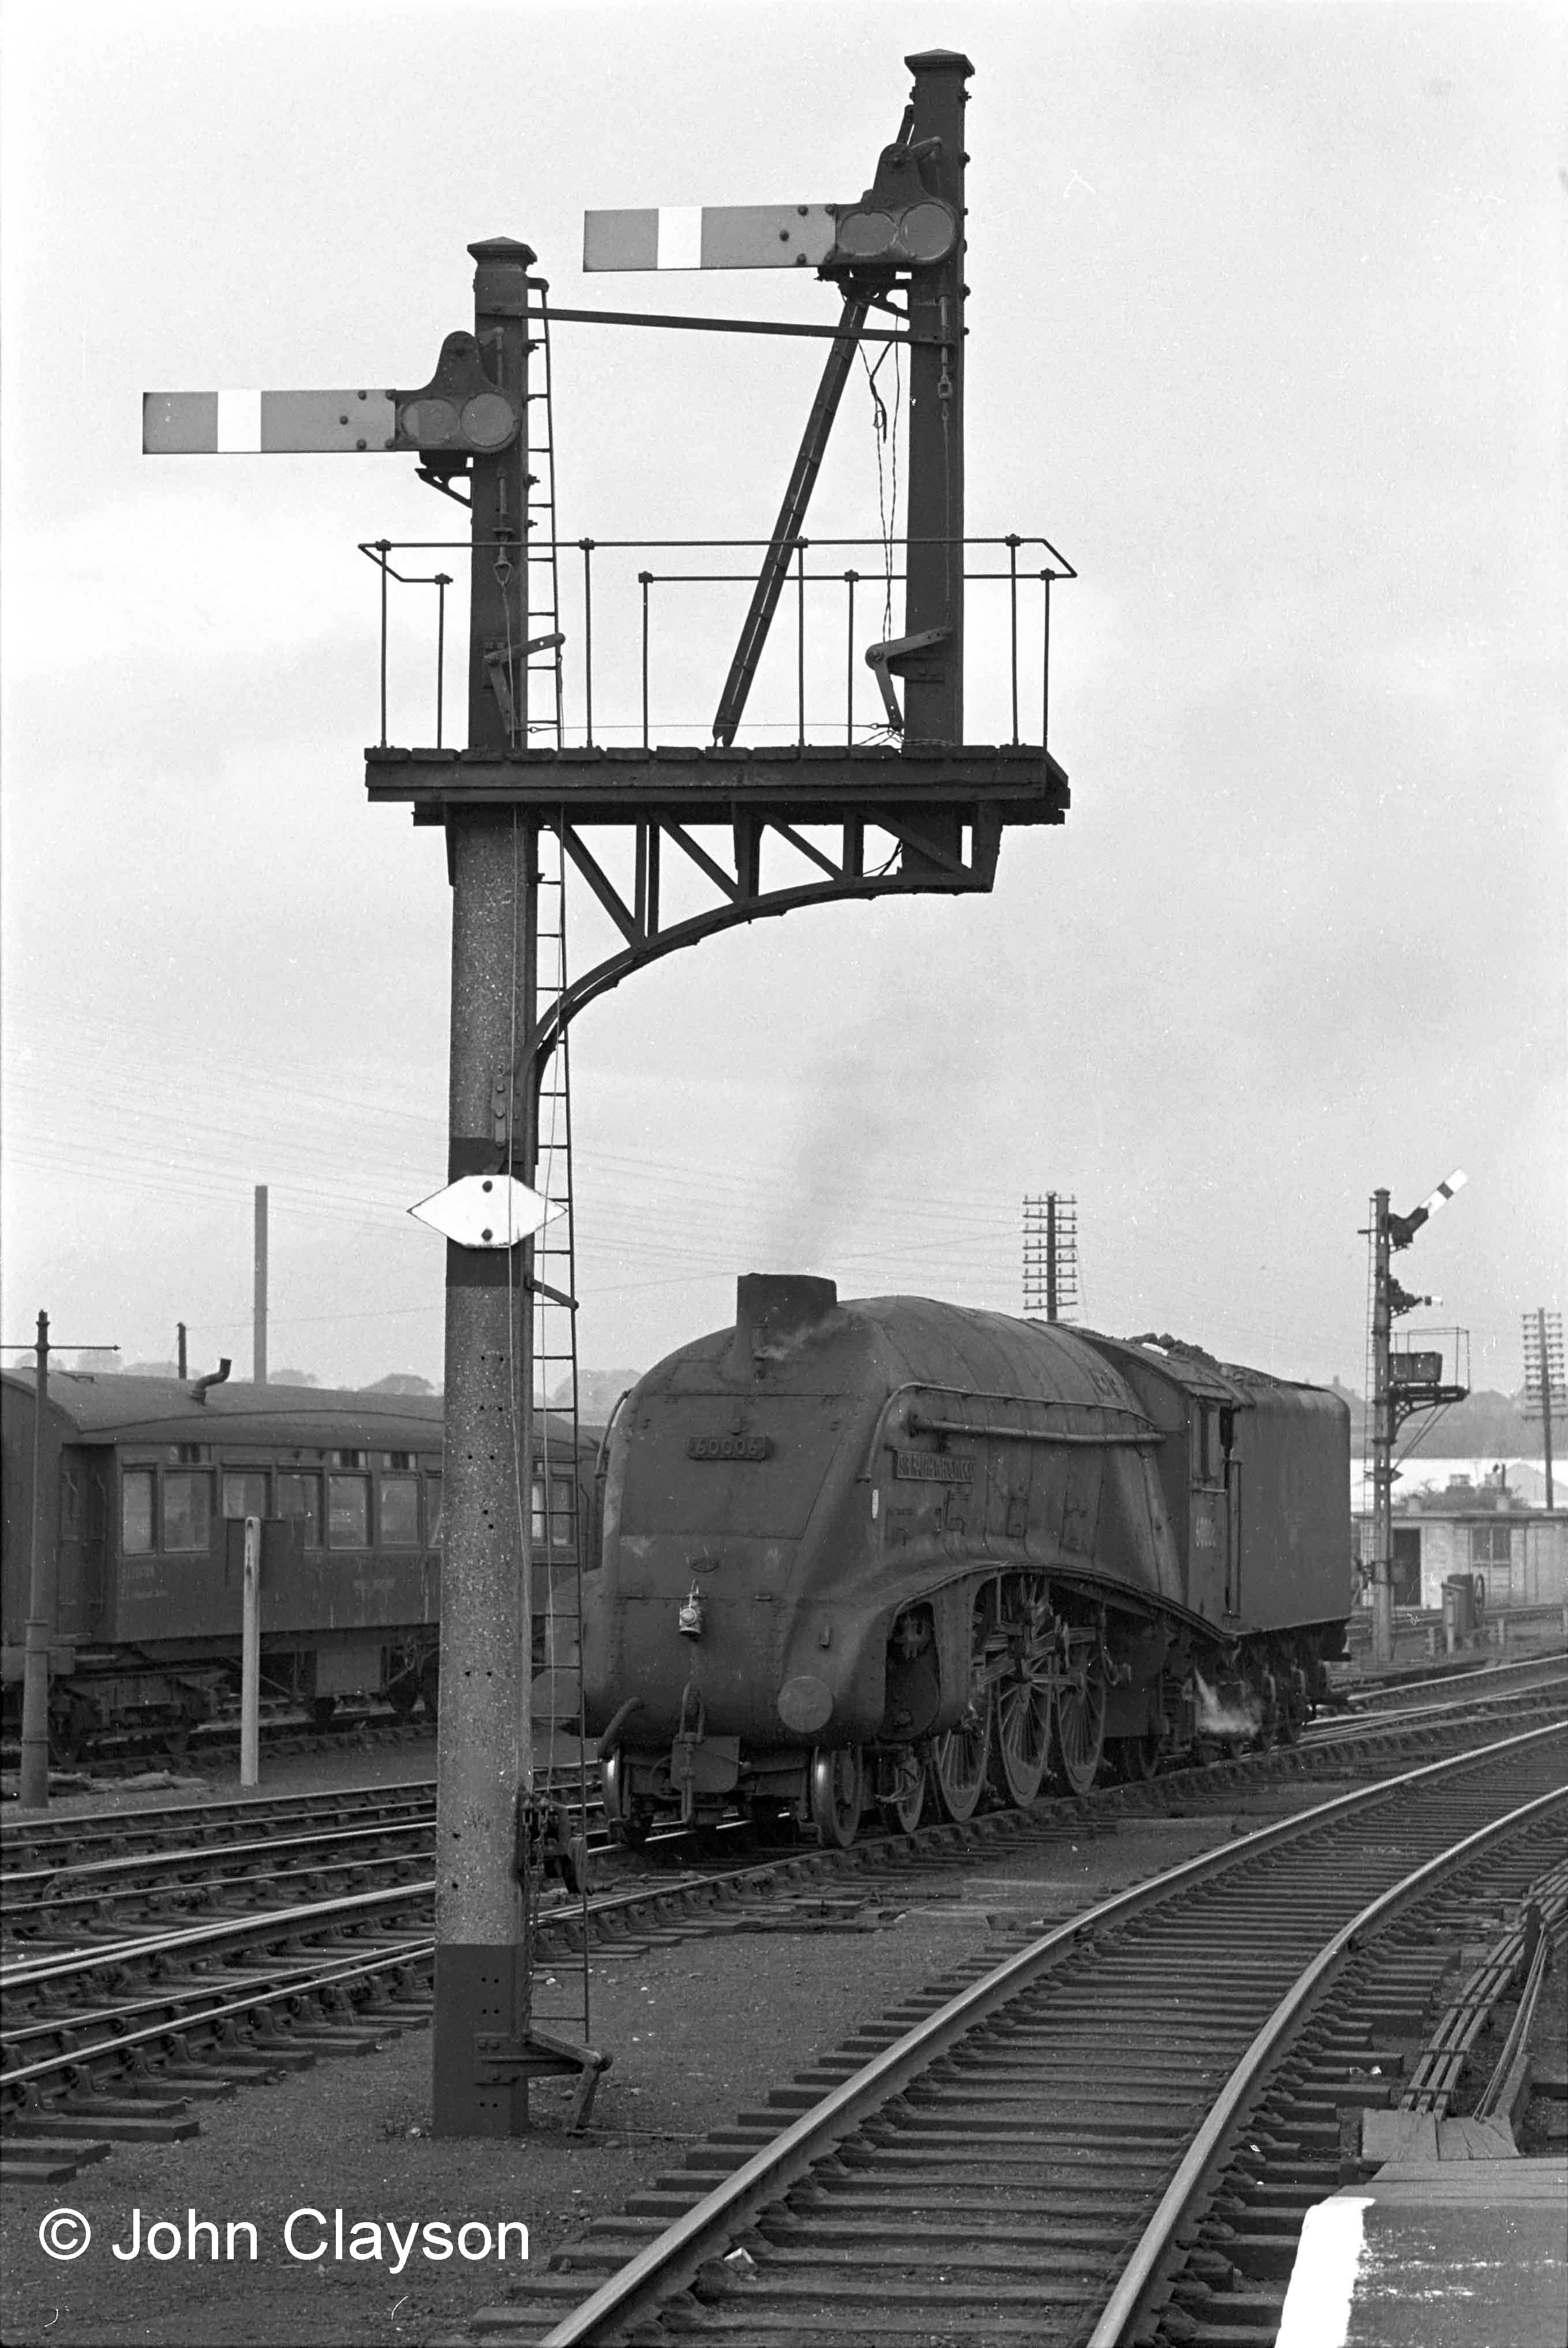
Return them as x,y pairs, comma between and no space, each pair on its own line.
144,1482
893,1554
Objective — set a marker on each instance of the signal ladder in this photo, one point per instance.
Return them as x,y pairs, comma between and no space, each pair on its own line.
558,1527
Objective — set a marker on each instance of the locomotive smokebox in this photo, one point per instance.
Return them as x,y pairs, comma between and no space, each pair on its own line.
774,1312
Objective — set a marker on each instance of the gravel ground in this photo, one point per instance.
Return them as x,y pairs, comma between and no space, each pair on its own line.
698,2031
358,1760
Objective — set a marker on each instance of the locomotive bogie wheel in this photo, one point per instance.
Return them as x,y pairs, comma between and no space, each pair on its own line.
1080,1729
837,1794
900,1789
958,1766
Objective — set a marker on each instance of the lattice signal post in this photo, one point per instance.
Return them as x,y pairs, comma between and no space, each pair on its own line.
945,804
1401,1384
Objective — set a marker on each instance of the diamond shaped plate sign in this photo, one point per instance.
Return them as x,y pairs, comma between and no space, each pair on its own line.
486,1211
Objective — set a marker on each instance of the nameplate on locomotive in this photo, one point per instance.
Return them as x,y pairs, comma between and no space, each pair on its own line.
932,1468
729,1446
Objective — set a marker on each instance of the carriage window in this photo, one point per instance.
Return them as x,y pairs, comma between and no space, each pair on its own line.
136,1511
434,1514
187,1512
300,1495
1490,1546
349,1511
397,1510
245,1494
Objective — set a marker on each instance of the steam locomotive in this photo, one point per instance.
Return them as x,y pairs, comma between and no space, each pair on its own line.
890,1556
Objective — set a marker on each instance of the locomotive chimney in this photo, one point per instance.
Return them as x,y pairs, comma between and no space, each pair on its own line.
775,1311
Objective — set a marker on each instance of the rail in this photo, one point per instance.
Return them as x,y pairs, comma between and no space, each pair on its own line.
1119,2320
672,2259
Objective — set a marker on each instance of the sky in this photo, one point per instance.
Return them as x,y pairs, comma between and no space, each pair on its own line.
1266,335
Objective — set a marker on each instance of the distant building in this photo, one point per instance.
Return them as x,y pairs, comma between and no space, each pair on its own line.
1486,1523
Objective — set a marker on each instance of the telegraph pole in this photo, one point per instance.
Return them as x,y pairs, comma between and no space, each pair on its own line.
1543,1385
259,1291
1050,1255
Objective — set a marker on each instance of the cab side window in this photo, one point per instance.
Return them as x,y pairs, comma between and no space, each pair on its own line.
1208,1449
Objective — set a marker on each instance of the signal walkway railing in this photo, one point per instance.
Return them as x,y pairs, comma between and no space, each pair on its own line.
640,637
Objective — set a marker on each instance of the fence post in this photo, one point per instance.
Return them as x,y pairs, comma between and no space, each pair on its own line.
251,1656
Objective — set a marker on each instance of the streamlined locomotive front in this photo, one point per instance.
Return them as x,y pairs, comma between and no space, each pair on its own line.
829,1536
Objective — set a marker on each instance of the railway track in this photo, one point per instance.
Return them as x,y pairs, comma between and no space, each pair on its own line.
1479,1679
147,1970
983,2163
80,1884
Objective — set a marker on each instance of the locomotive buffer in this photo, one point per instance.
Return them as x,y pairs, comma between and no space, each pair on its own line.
944,802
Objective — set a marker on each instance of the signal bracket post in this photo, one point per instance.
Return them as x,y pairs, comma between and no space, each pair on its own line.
945,803
484,2051
942,802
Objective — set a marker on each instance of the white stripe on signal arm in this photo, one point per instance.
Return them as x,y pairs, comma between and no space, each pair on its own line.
239,424
680,236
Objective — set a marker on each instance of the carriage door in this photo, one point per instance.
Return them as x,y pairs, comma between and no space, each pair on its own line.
1209,1569
78,1592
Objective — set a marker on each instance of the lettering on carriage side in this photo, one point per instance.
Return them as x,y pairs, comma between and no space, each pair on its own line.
932,1468
729,1446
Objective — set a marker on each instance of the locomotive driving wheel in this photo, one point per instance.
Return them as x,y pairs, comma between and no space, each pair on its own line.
837,1794
961,1758
1021,1732
1081,1713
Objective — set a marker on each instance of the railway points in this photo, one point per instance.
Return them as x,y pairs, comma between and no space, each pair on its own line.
214,1968
977,2172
